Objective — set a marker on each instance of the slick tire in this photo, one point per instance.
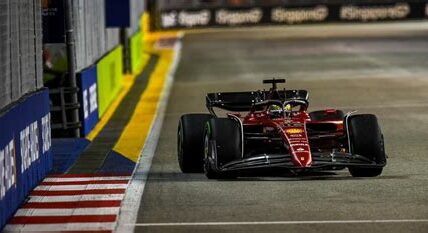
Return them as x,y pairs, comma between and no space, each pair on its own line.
366,139
190,142
225,135
324,116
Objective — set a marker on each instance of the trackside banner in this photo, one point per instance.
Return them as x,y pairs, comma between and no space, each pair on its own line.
88,97
25,150
109,78
284,14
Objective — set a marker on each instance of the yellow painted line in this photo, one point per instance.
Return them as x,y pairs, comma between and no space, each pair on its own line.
128,81
154,36
133,137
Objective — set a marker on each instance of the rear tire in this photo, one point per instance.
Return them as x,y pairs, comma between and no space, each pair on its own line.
190,142
366,139
324,116
225,134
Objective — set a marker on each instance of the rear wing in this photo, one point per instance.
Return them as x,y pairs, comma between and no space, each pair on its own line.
243,101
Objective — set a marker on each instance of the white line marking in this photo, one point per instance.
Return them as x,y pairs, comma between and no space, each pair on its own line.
279,222
80,187
104,197
70,179
134,193
68,212
59,227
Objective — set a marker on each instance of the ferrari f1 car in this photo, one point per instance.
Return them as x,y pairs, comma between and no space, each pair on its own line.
272,130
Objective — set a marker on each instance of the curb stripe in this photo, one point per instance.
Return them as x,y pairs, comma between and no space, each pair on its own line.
60,227
62,219
84,179
93,176
98,197
76,192
80,187
91,231
68,212
70,205
85,182
73,203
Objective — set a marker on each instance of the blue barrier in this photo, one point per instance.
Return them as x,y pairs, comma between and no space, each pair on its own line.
118,13
65,152
87,81
25,150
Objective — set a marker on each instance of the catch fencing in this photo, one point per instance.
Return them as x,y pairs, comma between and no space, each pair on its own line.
20,49
137,10
93,39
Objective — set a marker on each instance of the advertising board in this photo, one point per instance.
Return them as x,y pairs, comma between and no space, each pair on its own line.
25,150
284,14
88,98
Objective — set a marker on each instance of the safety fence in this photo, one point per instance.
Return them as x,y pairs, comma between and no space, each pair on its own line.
25,150
20,48
25,138
166,14
26,109
108,43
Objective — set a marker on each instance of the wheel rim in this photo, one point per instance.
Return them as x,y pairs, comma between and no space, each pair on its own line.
206,154
180,142
206,147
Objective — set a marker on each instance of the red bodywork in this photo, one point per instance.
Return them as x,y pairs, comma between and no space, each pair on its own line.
293,132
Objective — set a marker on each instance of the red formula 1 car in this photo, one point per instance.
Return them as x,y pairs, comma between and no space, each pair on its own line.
277,133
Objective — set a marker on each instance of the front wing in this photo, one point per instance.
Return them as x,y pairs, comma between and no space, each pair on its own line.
320,161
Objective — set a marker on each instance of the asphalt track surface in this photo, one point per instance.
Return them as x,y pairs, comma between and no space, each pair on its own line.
376,68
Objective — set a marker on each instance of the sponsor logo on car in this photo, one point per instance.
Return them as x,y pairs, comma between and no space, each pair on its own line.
300,144
294,131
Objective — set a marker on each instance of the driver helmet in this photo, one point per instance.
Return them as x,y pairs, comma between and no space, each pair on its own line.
274,108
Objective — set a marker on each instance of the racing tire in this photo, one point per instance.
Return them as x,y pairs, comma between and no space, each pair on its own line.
223,139
324,116
190,142
366,139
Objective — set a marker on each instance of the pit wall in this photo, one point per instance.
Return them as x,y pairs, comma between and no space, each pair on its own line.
25,138
25,150
101,84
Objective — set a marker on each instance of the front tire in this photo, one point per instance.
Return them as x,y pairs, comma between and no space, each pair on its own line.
366,139
223,144
190,139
